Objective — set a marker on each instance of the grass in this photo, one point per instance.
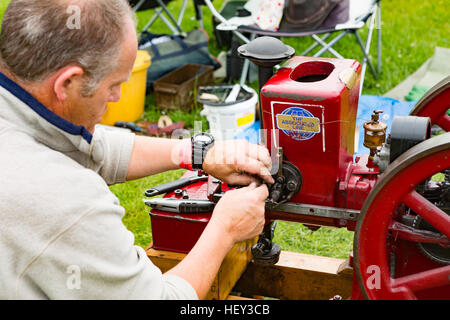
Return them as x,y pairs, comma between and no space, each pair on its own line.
411,30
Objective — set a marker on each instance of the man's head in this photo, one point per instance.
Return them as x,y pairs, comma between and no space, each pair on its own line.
71,54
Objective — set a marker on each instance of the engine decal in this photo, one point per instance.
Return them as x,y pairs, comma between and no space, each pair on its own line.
298,123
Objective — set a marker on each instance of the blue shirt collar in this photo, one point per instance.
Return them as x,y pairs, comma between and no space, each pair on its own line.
40,109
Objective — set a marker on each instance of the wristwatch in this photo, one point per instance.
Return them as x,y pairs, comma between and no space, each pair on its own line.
201,143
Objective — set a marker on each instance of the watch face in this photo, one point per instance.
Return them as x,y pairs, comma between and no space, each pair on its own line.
203,139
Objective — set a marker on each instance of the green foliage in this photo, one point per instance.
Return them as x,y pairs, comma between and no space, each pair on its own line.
329,242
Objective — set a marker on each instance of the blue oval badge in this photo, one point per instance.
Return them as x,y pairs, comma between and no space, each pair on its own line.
298,123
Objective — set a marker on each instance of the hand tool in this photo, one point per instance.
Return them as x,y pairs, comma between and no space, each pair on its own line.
173,185
180,205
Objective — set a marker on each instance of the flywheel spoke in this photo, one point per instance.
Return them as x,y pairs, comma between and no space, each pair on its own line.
428,211
424,280
444,122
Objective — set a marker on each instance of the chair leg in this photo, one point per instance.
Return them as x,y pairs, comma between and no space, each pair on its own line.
152,20
246,66
172,19
365,50
199,15
181,14
379,37
314,45
330,44
158,14
329,48
138,5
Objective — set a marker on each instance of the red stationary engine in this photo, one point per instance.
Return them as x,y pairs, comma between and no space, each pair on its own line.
309,110
396,198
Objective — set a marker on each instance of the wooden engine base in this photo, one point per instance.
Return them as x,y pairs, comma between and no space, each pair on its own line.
296,276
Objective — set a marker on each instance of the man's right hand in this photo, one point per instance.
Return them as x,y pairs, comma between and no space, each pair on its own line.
238,216
241,212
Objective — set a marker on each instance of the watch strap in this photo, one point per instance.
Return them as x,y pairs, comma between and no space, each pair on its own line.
198,155
199,151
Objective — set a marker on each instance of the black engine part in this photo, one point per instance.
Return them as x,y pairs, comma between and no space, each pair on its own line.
407,131
287,184
266,252
438,193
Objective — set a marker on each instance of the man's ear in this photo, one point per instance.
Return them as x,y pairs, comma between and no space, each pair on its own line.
67,80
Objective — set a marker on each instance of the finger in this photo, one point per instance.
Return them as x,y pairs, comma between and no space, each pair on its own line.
241,179
253,185
260,153
254,167
262,191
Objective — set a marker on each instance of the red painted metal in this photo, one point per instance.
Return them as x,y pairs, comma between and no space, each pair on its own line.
374,248
403,232
352,192
428,211
428,279
435,104
315,121
359,181
179,232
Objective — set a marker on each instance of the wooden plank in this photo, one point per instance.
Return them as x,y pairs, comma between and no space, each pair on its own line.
231,297
298,276
164,260
233,267
230,271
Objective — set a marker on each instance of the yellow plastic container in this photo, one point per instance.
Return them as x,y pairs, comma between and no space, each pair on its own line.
130,107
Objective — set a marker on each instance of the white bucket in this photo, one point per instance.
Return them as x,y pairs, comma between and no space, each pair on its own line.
226,121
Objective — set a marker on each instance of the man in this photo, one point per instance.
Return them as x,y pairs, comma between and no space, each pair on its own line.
61,231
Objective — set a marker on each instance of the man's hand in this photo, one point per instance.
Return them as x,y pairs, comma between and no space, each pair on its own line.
238,162
238,216
240,212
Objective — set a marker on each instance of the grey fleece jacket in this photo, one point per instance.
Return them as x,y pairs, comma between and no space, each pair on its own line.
61,230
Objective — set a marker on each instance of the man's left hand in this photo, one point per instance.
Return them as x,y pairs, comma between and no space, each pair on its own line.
238,162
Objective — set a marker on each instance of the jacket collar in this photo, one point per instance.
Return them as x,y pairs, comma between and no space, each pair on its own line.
22,112
42,111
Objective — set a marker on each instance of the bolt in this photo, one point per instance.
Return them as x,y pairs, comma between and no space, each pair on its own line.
291,185
281,179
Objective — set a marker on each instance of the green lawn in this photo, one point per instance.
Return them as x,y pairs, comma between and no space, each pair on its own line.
411,30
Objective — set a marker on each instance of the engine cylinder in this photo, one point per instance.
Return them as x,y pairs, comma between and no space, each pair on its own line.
309,108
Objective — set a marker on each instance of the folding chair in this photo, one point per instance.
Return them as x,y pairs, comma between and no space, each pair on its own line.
348,17
162,12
